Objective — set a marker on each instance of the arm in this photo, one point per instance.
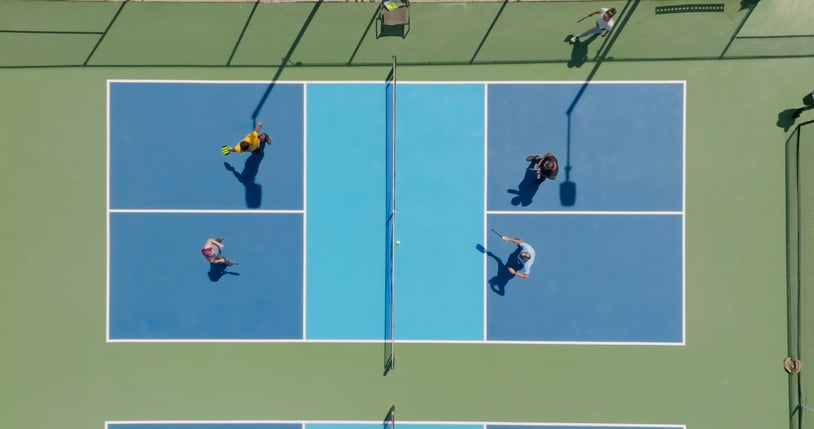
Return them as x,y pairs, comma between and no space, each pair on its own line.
512,240
259,125
211,242
514,272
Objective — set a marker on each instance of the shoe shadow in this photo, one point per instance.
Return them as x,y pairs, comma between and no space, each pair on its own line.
216,271
526,189
500,280
579,51
248,177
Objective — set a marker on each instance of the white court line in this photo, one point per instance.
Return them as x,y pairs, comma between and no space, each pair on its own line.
684,217
407,422
107,213
485,209
586,212
304,208
381,341
418,82
196,211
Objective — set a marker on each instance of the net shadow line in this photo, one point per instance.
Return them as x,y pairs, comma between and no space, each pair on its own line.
750,8
364,35
779,36
607,44
715,58
412,63
602,53
627,12
54,32
287,58
243,32
104,33
489,31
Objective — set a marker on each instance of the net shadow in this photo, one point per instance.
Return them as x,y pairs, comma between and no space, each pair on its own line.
488,31
370,24
242,33
286,60
105,32
568,188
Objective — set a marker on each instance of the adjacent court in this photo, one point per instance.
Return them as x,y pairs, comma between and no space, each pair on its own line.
308,213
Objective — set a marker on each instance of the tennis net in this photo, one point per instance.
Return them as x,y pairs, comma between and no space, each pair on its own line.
800,251
390,217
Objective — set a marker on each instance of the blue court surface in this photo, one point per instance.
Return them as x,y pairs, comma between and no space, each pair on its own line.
306,216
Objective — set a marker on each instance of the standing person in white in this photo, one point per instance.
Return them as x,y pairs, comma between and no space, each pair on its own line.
604,24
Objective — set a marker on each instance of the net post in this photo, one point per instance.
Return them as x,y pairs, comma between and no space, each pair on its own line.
389,421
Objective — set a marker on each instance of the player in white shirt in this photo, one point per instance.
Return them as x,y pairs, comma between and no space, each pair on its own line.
604,24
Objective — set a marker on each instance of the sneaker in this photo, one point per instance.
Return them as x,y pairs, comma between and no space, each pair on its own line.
574,39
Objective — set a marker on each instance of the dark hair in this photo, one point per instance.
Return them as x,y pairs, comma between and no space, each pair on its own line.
244,145
612,11
266,136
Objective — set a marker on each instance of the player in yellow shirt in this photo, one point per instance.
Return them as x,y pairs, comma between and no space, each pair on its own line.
250,143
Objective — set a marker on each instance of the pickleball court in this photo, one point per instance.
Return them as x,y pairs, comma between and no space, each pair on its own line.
306,218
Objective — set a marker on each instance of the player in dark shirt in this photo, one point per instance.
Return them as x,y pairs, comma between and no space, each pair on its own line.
546,166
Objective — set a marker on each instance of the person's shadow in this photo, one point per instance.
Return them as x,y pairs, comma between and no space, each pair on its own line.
526,189
579,51
501,279
254,191
216,271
